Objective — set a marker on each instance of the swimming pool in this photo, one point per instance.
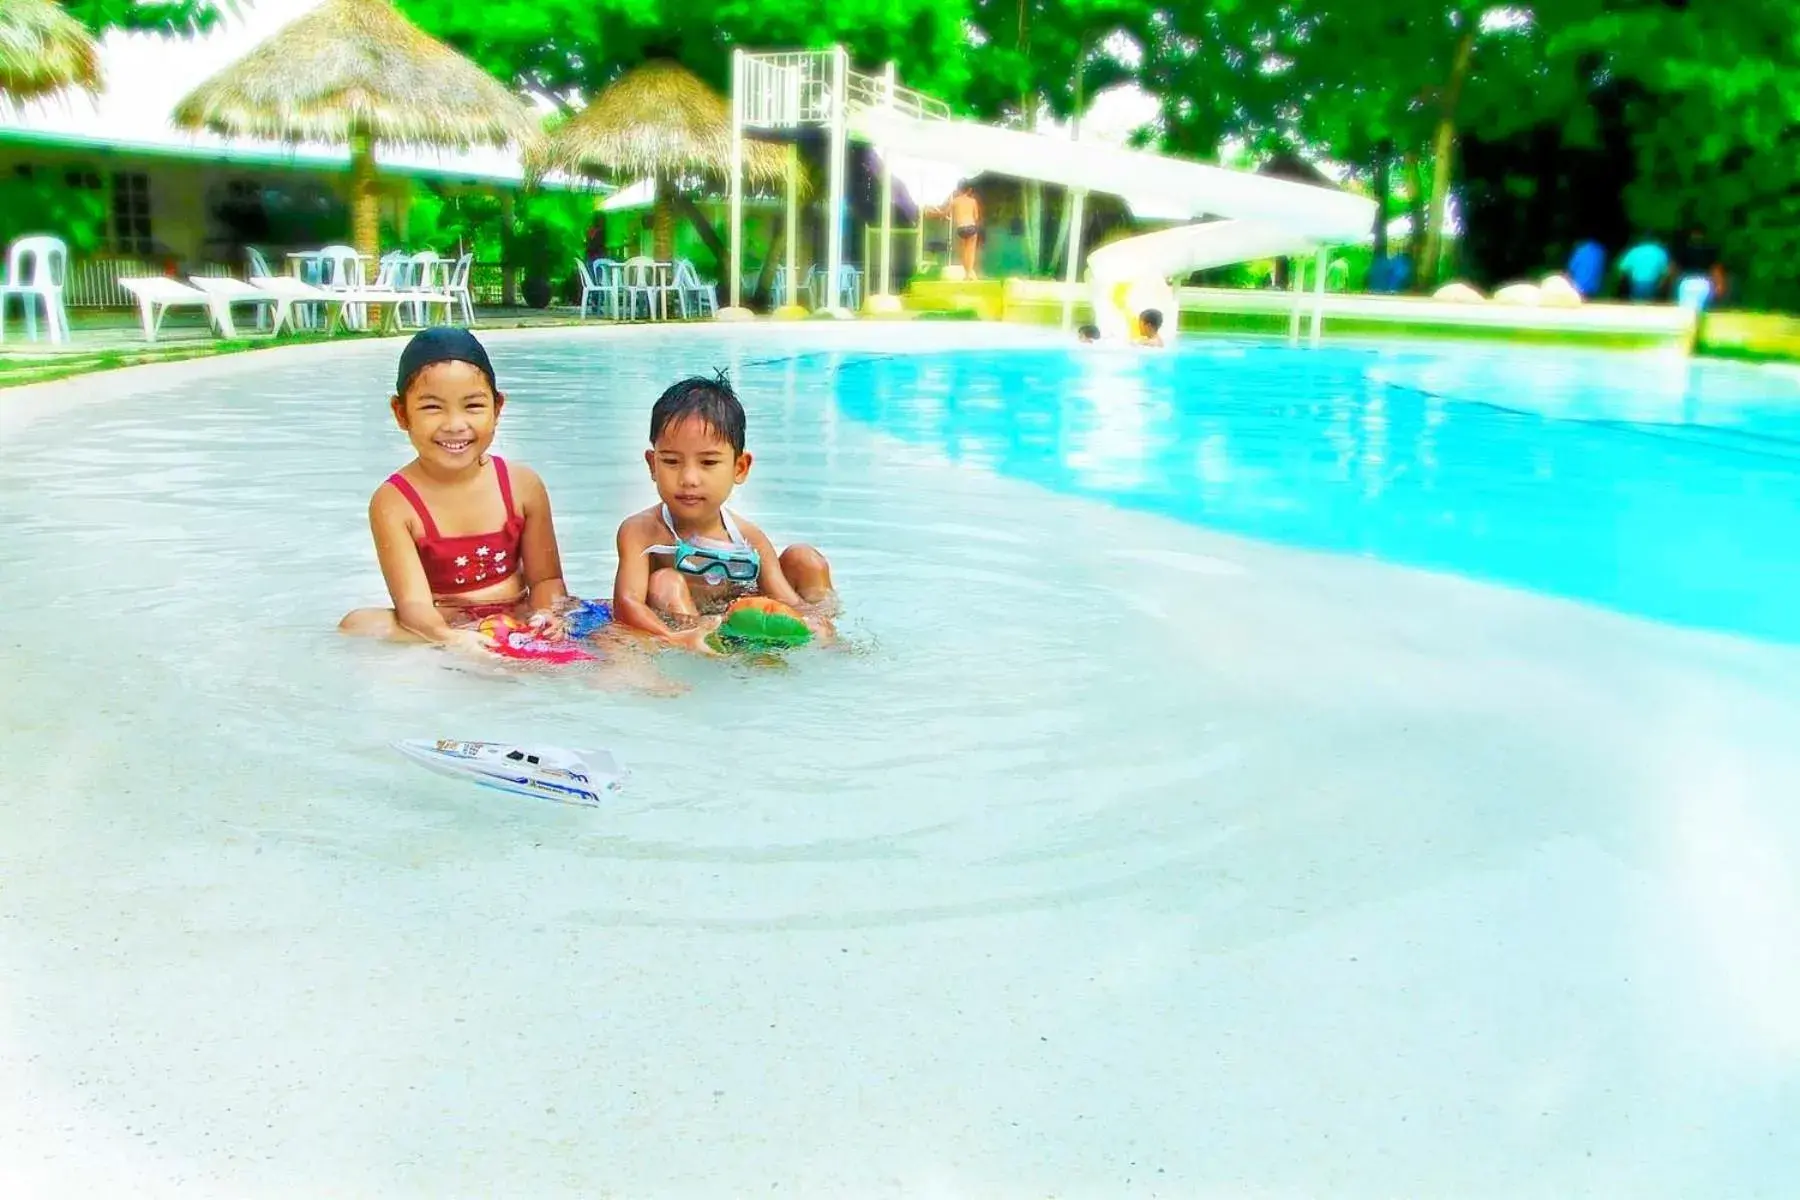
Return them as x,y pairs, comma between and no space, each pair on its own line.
1167,832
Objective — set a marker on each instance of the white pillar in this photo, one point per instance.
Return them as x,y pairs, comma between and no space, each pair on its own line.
1319,294
1072,275
737,180
1296,268
887,202
834,216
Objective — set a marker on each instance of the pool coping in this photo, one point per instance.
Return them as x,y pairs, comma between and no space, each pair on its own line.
26,404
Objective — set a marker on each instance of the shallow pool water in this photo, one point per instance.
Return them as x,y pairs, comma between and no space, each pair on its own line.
1120,854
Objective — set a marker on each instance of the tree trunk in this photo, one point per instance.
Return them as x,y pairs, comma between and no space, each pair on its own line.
690,212
662,223
509,286
365,205
1415,211
1384,154
1443,152
765,278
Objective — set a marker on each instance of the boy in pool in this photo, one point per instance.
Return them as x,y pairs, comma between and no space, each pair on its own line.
688,556
461,535
1149,328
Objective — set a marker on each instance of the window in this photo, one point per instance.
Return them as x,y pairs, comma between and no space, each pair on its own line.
131,213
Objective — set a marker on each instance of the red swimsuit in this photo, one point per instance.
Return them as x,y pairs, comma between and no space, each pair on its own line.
466,563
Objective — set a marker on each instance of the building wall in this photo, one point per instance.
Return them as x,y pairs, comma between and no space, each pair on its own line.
188,205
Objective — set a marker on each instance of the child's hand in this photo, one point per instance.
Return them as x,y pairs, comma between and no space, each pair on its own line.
549,626
471,642
695,639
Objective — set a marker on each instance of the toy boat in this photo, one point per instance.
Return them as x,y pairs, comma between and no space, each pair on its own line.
549,772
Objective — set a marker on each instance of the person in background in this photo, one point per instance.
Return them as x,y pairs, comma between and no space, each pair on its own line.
1587,268
1088,333
964,211
1644,268
1149,328
596,237
1701,278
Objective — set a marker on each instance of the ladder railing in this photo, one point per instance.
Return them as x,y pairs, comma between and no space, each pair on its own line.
793,89
798,88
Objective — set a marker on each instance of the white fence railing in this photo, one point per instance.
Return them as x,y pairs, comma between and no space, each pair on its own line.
94,282
794,88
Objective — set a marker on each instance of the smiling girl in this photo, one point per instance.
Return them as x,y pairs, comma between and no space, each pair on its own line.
460,533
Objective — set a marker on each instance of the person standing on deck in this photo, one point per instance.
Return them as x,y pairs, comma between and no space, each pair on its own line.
964,212
596,238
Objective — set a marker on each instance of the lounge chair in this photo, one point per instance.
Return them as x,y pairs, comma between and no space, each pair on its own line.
291,294
226,291
157,294
336,299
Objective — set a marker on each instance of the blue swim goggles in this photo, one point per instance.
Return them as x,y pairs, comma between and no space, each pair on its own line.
716,565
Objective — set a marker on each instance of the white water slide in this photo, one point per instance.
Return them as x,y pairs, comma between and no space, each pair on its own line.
1255,216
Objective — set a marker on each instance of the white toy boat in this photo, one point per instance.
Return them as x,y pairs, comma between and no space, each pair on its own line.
549,772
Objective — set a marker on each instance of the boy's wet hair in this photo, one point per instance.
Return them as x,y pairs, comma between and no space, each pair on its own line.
711,400
1152,319
1088,333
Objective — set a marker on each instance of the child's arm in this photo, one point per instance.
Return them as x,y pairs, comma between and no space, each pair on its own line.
771,583
631,587
543,560
414,610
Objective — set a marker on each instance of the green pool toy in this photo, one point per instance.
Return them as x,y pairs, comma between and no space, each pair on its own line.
754,623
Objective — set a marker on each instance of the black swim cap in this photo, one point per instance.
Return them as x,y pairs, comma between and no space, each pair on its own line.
441,343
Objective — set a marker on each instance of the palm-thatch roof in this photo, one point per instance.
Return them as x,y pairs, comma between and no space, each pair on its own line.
43,50
357,67
660,120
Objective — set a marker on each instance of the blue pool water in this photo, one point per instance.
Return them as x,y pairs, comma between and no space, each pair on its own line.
1665,490
1133,847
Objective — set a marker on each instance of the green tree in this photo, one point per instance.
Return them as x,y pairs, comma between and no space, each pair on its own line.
557,48
1714,112
172,17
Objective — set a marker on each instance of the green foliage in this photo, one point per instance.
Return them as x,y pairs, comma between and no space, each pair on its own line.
1711,93
172,17
45,203
553,47
1713,114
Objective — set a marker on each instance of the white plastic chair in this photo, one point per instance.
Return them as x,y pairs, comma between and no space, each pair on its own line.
849,288
257,265
422,275
341,270
609,277
458,287
37,267
688,284
787,291
604,287
640,280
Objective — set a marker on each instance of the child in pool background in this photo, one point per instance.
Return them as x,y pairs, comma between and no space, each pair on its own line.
1149,328
460,533
689,556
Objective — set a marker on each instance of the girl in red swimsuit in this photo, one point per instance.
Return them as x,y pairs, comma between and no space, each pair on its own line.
461,533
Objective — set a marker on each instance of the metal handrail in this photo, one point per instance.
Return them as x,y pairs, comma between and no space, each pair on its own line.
791,89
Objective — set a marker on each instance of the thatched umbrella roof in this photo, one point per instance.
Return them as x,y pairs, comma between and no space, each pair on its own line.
660,120
43,50
357,68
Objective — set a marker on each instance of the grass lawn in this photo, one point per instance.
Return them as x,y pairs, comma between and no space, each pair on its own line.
17,369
